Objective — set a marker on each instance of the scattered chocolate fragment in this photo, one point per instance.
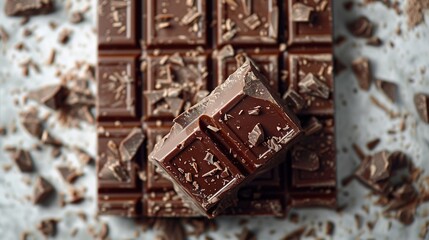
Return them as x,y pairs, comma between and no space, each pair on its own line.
371,145
295,235
48,139
48,227
256,136
23,160
32,123
421,101
4,36
43,190
246,234
330,228
294,100
170,228
69,174
52,96
389,89
313,86
76,17
361,27
64,36
374,41
362,70
28,7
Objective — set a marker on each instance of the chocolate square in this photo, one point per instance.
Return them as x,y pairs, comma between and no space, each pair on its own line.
247,22
173,83
319,66
118,85
117,23
309,21
171,23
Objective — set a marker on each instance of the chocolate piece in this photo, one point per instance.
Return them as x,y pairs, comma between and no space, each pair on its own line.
32,123
69,174
131,144
43,190
361,27
52,96
373,143
361,69
28,7
389,89
23,160
48,227
421,101
245,90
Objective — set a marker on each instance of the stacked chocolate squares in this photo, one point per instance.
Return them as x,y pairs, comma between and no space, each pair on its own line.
210,75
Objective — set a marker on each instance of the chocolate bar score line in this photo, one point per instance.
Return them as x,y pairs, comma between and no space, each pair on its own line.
217,146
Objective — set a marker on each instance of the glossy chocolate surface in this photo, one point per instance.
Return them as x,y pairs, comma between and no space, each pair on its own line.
158,58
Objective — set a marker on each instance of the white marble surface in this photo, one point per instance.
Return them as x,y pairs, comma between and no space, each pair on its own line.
359,121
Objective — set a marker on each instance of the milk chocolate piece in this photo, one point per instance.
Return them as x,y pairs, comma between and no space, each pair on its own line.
43,190
23,160
389,89
361,27
68,173
28,7
421,101
52,96
48,227
32,123
191,141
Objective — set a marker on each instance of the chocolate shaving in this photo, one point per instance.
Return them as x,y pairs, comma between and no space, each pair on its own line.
256,136
131,144
301,12
43,190
421,101
313,86
362,71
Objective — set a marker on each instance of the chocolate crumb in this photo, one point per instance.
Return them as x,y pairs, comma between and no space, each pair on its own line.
76,17
371,145
64,36
48,227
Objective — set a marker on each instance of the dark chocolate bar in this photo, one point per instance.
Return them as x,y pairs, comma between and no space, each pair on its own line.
226,140
158,57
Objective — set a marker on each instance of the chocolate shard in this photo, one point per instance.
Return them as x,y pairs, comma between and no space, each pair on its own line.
362,70
48,227
294,100
43,190
52,96
246,234
361,27
389,89
380,168
421,101
313,86
301,12
32,123
304,159
47,138
114,170
28,7
131,144
69,174
23,160
256,136
228,147
312,126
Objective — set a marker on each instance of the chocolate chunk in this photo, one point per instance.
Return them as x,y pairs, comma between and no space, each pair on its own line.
247,89
312,126
23,160
295,235
28,7
246,234
330,228
256,136
43,190
64,36
69,174
131,144
362,70
361,27
374,41
52,96
47,138
371,145
48,227
294,100
310,84
389,89
304,159
114,169
32,123
76,17
421,101
301,12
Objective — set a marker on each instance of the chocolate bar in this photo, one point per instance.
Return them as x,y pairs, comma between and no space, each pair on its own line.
226,140
158,58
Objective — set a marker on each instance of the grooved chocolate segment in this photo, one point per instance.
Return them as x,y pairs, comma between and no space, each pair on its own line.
309,21
28,7
220,147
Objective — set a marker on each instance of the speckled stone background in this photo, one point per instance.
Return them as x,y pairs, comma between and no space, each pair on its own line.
403,59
